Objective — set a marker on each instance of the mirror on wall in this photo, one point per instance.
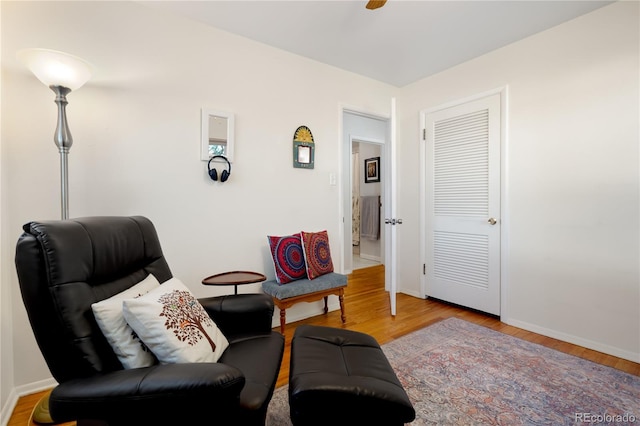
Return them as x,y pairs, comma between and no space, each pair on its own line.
217,134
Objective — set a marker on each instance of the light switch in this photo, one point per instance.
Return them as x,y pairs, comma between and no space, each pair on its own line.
332,179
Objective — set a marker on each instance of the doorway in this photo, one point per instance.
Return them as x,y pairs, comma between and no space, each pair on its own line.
366,133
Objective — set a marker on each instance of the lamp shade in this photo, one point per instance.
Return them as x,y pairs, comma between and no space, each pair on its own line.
55,68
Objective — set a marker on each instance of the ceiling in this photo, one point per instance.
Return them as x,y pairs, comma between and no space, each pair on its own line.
398,44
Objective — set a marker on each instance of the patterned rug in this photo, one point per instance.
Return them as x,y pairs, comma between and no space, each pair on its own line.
459,373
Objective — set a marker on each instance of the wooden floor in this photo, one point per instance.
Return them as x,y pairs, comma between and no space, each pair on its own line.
367,309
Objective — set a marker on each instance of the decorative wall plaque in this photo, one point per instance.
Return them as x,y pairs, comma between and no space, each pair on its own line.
303,148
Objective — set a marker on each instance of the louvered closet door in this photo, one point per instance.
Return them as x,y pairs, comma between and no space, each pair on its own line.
463,204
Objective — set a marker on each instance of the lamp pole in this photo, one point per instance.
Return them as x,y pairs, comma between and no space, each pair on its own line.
62,73
63,141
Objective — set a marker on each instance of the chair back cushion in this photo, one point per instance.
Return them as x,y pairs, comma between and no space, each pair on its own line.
66,265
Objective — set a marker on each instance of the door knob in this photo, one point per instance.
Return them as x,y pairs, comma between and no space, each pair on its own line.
492,221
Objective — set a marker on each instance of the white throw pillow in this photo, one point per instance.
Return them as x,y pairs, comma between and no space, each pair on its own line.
131,352
174,325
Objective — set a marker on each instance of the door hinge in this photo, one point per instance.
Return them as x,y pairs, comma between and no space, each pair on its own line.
424,134
424,269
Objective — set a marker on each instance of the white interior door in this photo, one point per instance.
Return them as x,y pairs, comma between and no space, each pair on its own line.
462,204
391,219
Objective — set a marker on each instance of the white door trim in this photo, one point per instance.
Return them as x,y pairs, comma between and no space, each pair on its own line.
504,185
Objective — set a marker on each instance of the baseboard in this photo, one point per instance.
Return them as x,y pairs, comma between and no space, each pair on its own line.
371,257
412,293
589,344
299,316
20,391
7,410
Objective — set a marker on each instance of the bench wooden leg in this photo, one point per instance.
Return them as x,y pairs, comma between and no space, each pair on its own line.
309,297
283,319
341,299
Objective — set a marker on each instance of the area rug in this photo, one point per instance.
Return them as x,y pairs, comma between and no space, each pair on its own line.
459,373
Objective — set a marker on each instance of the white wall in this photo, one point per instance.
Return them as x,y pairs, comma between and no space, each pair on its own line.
6,323
572,176
136,129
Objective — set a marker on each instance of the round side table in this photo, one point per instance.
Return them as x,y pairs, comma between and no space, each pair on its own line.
234,278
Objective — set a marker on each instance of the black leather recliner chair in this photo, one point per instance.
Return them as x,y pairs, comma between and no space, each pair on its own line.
65,266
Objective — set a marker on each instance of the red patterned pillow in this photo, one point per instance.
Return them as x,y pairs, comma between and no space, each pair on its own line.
288,258
316,253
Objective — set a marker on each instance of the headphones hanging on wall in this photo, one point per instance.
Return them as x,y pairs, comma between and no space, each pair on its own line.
213,173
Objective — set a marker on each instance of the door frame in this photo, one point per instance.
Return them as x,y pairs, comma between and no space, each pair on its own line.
345,186
504,179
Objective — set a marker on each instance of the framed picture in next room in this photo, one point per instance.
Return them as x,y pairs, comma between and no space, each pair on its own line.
372,170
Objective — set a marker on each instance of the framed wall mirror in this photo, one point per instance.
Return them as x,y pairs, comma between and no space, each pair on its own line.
217,134
303,148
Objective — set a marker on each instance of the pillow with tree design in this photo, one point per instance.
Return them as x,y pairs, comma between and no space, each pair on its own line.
174,325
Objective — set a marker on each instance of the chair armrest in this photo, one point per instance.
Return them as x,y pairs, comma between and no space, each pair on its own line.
240,313
145,392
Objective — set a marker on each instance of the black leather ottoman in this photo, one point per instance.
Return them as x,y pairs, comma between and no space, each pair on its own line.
342,377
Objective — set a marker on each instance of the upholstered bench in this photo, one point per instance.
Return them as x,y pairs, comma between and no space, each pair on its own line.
342,377
306,290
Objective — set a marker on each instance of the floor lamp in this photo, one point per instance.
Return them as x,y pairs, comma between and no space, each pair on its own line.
62,73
